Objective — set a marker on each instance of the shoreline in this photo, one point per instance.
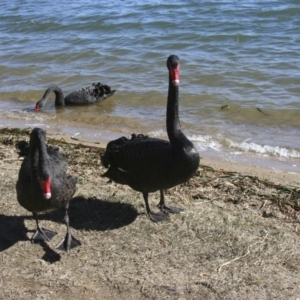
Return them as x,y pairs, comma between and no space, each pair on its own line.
101,133
280,177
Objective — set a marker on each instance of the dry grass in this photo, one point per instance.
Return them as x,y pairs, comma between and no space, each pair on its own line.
238,238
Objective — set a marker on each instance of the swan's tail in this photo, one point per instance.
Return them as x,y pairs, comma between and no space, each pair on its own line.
23,148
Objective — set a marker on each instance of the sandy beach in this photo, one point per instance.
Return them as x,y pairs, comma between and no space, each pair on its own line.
238,237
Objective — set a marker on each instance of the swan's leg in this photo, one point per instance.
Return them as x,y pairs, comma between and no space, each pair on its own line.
69,241
41,234
155,217
163,207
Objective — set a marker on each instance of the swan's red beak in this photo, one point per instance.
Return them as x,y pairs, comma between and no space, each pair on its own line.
175,75
37,108
46,188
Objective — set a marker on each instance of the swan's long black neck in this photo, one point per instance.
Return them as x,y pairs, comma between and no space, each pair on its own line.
59,97
40,161
176,136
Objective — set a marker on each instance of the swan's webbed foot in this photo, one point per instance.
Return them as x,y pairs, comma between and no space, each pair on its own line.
155,217
42,235
167,209
68,243
158,217
170,209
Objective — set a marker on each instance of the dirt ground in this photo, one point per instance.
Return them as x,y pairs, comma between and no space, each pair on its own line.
238,237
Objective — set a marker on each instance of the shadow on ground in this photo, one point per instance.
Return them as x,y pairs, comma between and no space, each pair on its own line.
12,230
84,214
95,214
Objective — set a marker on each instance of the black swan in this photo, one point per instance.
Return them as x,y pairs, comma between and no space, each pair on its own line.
150,164
88,95
43,185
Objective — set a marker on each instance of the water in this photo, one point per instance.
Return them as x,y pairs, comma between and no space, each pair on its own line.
242,56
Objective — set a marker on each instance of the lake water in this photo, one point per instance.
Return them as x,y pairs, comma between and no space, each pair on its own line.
240,71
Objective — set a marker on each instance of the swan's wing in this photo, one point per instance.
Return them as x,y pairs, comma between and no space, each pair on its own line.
91,94
138,161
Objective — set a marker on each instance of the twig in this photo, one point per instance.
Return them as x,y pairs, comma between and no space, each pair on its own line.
261,111
143,285
239,257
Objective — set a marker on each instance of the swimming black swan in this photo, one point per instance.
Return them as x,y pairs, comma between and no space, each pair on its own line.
88,95
43,185
150,164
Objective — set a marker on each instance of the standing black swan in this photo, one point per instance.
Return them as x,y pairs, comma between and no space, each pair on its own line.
88,95
43,185
150,164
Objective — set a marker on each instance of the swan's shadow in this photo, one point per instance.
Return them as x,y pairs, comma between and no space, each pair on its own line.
95,214
12,230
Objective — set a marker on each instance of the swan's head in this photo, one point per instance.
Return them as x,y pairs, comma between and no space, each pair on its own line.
174,68
40,103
